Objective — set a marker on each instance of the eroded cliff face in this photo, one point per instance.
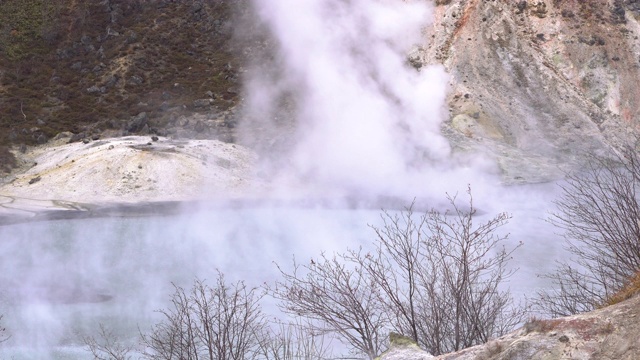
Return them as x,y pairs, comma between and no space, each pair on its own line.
537,84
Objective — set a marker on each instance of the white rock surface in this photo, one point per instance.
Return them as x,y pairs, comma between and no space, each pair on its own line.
403,348
128,170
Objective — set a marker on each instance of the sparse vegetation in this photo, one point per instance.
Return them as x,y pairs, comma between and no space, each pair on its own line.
598,212
51,53
222,322
107,346
631,289
294,341
492,349
434,278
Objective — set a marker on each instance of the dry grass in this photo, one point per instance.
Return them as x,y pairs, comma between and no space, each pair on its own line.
539,325
7,160
587,328
490,351
630,290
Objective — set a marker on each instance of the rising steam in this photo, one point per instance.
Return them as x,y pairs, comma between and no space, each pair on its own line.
332,106
356,115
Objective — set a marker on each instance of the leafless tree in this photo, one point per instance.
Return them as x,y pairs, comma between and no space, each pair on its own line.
599,214
221,322
295,340
339,297
107,346
3,332
174,336
440,274
435,278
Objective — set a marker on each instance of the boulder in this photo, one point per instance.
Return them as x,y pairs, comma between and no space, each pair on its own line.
42,138
77,137
136,80
200,127
404,348
136,123
201,103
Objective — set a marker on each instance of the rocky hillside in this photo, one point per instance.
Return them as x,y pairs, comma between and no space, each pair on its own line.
539,82
608,333
533,83
115,67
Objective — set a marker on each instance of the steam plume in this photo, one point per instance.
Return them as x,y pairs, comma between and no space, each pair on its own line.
361,118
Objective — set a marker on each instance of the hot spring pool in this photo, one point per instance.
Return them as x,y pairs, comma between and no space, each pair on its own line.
61,279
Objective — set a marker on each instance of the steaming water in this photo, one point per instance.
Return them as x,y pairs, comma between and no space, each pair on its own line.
61,279
363,121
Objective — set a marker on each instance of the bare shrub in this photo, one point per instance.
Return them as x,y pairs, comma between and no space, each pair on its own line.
490,351
440,275
434,278
337,296
222,322
631,289
295,340
598,212
107,346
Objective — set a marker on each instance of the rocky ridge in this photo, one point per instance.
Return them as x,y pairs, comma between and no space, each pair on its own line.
608,333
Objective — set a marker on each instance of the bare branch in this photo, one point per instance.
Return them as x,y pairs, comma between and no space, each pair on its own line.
295,340
107,346
22,111
441,274
598,212
433,277
220,322
339,296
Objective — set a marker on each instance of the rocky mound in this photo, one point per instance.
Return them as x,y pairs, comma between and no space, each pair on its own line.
608,333
127,170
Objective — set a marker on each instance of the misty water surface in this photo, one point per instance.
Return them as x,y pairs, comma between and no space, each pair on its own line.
61,279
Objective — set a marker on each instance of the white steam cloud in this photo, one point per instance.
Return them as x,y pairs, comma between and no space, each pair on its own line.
365,120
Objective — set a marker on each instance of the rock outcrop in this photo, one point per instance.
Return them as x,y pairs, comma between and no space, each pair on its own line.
403,348
537,84
607,333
